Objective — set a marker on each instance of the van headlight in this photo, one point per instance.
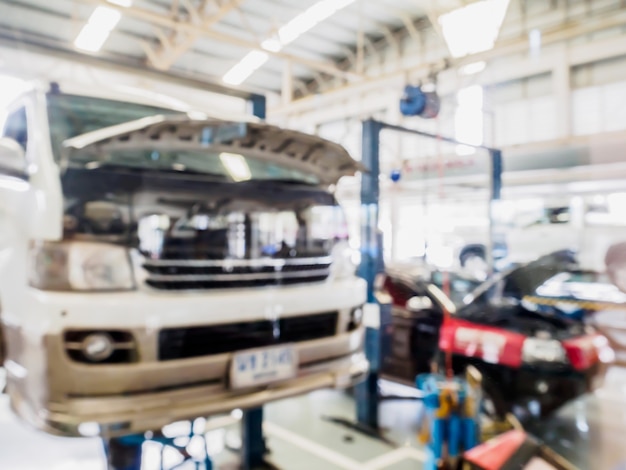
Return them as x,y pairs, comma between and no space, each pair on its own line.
345,260
543,350
80,266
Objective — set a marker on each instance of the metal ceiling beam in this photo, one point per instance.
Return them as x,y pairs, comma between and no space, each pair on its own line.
300,86
167,22
178,42
46,46
503,48
350,55
391,38
371,48
410,27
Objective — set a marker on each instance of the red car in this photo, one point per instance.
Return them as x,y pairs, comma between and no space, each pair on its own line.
531,361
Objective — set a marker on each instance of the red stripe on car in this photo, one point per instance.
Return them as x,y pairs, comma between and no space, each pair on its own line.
493,345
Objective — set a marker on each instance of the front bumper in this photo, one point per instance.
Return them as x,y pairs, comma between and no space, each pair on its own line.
55,393
550,392
543,386
137,413
552,389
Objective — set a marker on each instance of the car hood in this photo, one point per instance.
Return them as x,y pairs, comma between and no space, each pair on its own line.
314,155
523,281
519,319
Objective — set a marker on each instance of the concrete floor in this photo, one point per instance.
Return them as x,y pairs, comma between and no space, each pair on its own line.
589,432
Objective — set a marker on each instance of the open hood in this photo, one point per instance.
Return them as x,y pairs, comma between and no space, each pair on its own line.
326,160
522,281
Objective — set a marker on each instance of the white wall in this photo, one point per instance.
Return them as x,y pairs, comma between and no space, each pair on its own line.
574,88
574,85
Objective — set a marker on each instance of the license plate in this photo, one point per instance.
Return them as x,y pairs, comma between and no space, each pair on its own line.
263,366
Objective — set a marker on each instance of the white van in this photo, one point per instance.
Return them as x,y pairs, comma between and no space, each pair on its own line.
157,265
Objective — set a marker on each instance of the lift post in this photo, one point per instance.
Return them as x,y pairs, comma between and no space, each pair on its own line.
367,399
371,257
253,448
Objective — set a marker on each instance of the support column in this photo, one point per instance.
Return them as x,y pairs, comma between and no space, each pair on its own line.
252,441
371,265
124,453
258,103
370,195
398,118
495,196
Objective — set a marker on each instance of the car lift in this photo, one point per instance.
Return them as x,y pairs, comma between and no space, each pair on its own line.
367,397
125,452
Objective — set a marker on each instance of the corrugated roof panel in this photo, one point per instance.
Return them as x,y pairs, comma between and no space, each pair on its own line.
58,22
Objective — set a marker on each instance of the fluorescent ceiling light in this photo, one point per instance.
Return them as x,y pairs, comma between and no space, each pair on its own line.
310,18
236,165
272,44
473,28
286,34
98,27
245,67
473,68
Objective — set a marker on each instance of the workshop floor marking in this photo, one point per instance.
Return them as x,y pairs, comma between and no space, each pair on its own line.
377,463
312,447
393,457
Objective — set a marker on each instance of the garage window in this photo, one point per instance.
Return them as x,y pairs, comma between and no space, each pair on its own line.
72,115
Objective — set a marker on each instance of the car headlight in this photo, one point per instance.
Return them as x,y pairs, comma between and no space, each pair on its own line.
80,266
345,260
543,350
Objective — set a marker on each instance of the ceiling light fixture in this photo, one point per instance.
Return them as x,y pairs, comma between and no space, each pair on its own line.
473,68
473,28
252,61
99,26
286,34
310,18
236,165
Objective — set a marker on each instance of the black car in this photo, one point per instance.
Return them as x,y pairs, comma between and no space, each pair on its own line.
531,360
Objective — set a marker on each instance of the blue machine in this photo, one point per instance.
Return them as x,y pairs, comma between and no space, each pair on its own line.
417,102
450,424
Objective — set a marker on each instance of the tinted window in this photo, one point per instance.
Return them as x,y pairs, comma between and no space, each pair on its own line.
15,127
71,115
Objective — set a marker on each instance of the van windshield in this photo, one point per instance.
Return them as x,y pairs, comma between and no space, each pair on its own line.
73,115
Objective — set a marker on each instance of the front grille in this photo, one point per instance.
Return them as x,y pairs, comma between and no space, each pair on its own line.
168,274
180,343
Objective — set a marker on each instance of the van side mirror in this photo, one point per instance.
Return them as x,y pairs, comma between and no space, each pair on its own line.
12,158
418,303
